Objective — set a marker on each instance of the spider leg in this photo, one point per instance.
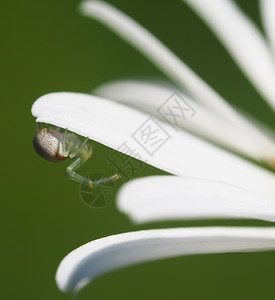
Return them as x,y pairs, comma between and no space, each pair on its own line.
67,145
78,150
64,146
77,162
106,180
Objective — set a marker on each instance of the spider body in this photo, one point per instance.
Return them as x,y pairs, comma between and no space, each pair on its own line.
48,143
56,145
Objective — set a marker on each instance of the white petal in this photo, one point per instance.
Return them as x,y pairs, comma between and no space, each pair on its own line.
101,256
243,40
150,96
160,198
163,58
268,16
179,153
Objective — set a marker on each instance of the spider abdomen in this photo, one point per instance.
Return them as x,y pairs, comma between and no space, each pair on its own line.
48,143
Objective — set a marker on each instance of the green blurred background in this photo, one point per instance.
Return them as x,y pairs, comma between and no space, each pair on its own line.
47,46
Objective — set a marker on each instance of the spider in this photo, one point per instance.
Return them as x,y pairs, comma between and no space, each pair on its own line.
56,145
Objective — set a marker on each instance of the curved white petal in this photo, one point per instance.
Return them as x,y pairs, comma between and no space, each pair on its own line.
179,153
243,40
268,17
159,198
150,96
163,58
93,259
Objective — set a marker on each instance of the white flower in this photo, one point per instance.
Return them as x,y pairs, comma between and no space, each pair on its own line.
210,181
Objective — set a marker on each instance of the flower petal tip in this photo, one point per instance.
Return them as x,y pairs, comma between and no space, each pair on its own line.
115,252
